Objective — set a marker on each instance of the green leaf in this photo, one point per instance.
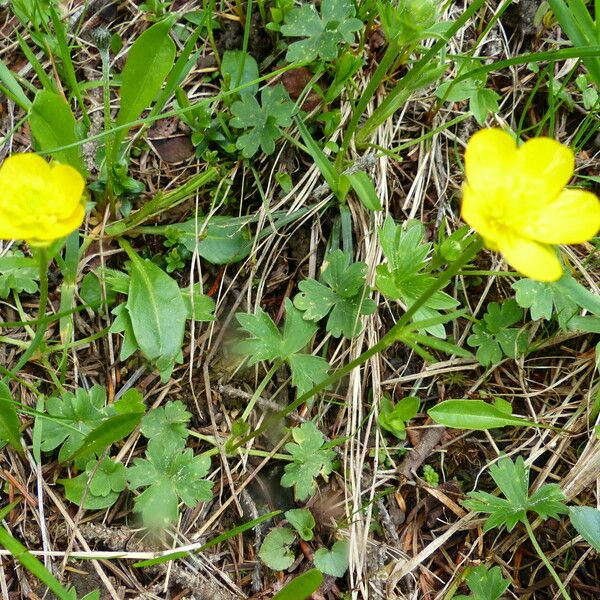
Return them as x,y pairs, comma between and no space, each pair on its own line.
32,564
365,190
302,521
474,414
106,481
166,427
262,121
239,68
301,587
76,416
341,293
53,125
222,241
545,300
108,432
325,34
335,561
10,426
309,460
18,274
494,338
157,312
513,480
12,86
168,478
586,521
199,306
267,342
406,275
275,550
122,324
486,584
484,102
148,63
392,417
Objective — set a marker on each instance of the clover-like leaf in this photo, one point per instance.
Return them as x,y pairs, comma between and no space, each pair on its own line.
325,34
168,477
262,121
341,293
166,426
310,459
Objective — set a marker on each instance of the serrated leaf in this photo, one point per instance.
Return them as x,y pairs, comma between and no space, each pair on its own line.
494,338
267,342
513,480
18,274
166,426
310,460
168,477
199,306
275,550
486,584
262,121
302,521
335,561
405,276
111,430
76,416
341,293
326,33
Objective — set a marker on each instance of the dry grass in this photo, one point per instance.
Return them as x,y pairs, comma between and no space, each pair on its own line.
407,540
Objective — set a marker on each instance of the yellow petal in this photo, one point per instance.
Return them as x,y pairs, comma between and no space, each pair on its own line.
67,184
573,218
18,167
542,169
489,160
478,210
531,259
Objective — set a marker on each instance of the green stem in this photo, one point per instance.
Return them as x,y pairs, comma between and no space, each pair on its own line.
259,390
545,560
41,328
385,342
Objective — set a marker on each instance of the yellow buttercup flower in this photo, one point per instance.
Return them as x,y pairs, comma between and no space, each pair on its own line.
515,198
39,202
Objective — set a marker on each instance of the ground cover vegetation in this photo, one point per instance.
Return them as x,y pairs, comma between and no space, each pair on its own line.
299,299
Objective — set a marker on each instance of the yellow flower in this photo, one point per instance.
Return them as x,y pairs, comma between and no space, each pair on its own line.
39,202
515,199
